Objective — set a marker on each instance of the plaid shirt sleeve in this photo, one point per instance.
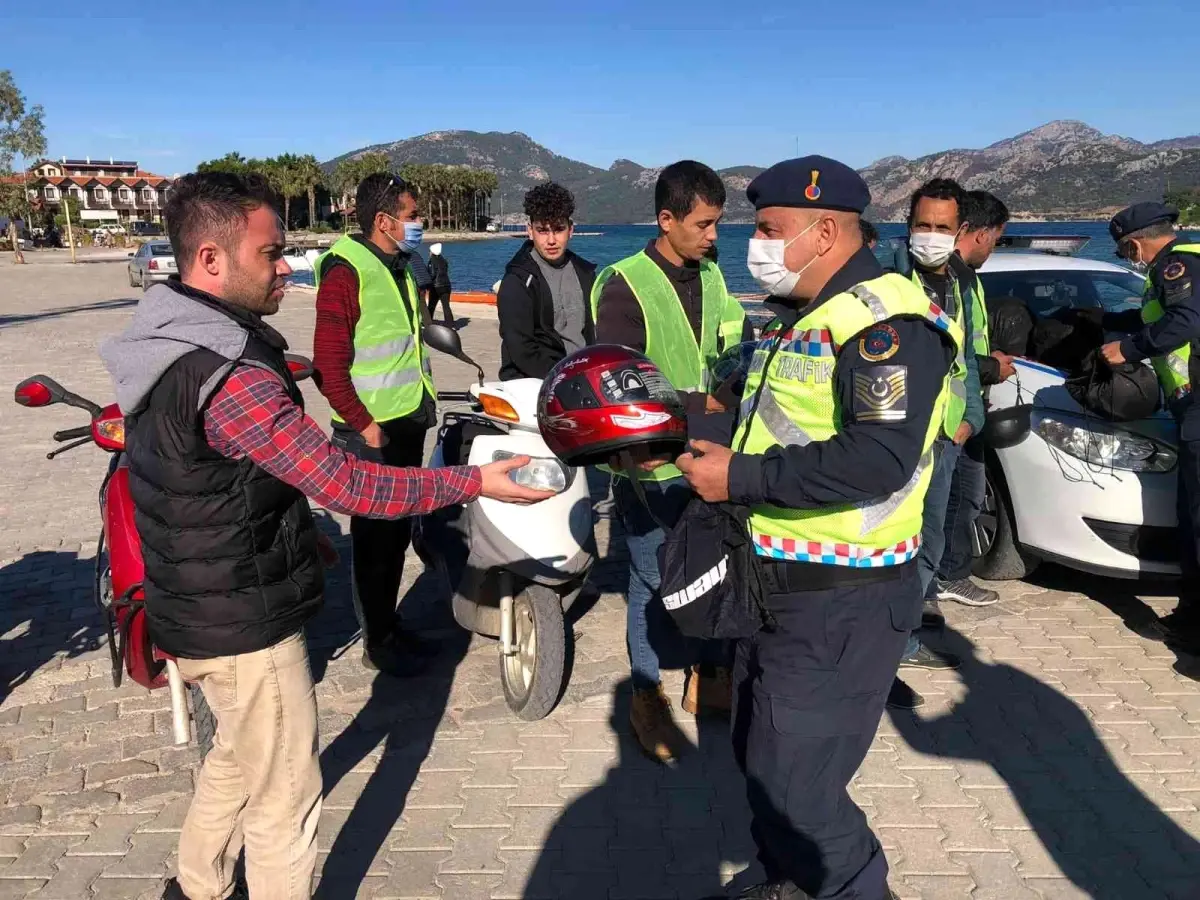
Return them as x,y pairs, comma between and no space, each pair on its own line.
252,416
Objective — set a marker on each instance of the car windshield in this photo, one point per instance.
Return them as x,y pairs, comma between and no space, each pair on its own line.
160,249
1045,291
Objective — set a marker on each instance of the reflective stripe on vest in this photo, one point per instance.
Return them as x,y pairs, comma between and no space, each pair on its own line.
979,321
390,371
797,404
956,407
1173,369
670,339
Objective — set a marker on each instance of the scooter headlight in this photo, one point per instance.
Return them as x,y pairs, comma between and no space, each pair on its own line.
1105,445
541,473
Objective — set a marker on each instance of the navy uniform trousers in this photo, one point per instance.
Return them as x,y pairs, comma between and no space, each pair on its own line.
808,698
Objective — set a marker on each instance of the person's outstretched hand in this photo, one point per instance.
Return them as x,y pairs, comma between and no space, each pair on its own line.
498,486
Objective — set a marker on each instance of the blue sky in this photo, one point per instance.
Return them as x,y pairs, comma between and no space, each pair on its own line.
727,83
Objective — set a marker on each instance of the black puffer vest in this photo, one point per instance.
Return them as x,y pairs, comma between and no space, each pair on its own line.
230,551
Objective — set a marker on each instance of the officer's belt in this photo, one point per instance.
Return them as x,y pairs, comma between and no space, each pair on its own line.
784,577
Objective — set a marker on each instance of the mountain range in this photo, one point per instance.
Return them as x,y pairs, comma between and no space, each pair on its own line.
1061,170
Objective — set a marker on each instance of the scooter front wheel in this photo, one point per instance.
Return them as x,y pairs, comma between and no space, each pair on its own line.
532,674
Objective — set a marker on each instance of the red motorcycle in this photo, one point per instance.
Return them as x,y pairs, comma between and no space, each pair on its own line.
119,568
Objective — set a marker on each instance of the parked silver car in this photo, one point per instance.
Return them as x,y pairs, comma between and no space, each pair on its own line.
154,262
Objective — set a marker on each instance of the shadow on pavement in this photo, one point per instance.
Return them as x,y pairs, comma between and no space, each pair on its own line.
1098,827
1123,597
21,318
648,830
46,608
402,715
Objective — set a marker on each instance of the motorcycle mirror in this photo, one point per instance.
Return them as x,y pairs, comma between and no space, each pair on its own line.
301,367
446,340
39,391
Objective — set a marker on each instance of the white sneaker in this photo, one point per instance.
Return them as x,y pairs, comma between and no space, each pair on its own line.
966,592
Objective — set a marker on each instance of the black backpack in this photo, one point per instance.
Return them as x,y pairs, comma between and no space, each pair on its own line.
1121,393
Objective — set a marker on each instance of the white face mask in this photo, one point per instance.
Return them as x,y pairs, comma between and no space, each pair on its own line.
931,249
764,258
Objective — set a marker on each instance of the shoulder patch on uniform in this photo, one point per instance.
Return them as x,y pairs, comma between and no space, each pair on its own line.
881,394
1173,271
1177,292
879,343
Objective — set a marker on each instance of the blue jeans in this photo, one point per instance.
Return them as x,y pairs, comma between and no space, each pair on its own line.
649,630
964,506
933,525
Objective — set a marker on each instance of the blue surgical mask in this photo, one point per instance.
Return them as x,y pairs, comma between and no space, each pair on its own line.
413,233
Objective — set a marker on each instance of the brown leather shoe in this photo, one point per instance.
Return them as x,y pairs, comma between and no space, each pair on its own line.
708,695
654,726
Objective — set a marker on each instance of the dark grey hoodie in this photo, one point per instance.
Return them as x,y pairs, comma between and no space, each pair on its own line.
166,326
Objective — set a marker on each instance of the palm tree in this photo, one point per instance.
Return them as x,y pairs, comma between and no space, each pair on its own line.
310,175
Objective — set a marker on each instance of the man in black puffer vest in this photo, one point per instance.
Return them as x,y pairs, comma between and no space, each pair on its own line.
221,457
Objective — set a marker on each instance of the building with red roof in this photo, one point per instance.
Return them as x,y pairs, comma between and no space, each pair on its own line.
111,190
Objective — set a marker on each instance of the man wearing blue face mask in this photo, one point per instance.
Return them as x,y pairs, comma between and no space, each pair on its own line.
373,368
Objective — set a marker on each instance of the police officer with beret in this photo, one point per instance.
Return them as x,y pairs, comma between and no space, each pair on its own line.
833,455
1167,332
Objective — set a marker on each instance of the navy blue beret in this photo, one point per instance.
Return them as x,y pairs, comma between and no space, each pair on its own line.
1139,216
816,182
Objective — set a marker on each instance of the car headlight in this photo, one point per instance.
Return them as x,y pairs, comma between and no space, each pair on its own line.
1104,445
541,473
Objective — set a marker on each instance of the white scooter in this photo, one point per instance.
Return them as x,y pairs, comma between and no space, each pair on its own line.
513,570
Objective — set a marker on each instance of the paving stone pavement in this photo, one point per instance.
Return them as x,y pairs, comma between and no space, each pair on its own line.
1061,761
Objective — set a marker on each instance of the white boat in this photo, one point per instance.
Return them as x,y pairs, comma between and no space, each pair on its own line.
300,260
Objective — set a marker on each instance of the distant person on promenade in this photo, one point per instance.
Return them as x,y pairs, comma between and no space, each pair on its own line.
373,368
422,277
440,270
542,301
670,302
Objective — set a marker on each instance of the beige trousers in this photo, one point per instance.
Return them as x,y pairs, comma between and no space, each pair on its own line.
261,782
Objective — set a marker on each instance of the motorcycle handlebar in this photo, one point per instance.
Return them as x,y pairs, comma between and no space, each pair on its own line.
72,434
454,396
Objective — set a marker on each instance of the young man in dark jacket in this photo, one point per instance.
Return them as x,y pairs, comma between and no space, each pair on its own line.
222,461
543,303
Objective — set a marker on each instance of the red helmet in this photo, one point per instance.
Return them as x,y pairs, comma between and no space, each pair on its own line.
607,398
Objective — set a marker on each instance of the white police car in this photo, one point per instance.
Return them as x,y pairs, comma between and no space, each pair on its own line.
1077,490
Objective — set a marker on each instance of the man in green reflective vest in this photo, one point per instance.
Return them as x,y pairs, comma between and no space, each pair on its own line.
373,369
669,301
934,225
984,217
845,398
1167,332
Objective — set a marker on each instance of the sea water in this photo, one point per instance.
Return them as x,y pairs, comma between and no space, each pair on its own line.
477,265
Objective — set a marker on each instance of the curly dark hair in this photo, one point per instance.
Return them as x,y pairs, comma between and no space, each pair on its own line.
550,203
211,206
